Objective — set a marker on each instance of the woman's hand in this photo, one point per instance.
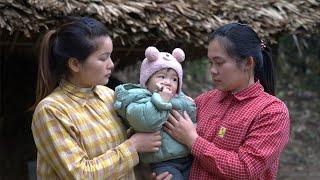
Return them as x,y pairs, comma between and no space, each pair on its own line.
189,98
146,142
181,128
162,176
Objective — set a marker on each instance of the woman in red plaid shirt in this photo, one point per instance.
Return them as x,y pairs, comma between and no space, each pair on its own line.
241,126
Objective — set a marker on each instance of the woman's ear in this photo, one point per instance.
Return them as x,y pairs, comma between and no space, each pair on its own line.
249,63
74,65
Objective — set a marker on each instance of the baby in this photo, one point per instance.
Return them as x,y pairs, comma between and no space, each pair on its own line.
146,108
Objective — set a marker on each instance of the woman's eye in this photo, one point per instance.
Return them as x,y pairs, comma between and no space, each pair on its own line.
104,58
175,79
162,77
220,61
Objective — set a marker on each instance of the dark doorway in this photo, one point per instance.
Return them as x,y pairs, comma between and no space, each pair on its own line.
18,70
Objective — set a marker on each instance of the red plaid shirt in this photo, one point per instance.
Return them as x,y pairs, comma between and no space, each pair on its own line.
241,135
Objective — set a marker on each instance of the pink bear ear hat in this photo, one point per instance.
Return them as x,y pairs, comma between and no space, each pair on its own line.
156,60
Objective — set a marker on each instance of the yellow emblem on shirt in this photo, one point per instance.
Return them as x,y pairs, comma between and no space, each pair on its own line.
222,132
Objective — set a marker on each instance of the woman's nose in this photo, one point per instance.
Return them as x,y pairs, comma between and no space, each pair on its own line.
110,64
213,70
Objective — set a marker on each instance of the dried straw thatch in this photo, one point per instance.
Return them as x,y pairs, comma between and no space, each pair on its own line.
179,20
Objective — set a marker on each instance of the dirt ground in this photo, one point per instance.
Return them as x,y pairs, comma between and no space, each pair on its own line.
301,158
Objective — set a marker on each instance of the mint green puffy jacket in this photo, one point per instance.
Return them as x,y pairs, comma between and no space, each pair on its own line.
147,112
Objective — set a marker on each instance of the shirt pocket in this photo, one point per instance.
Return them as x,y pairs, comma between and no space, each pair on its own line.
230,136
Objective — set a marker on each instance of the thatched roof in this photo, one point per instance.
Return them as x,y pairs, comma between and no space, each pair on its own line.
178,20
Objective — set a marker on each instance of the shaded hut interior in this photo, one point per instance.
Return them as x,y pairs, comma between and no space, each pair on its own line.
18,70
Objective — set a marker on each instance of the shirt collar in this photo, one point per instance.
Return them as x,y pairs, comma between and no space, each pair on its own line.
249,92
81,95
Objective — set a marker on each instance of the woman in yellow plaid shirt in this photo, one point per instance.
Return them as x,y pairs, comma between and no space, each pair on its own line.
75,128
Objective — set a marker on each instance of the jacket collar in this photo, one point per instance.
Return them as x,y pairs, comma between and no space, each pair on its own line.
252,91
81,95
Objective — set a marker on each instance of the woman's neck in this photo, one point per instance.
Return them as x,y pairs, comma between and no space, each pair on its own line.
77,83
244,85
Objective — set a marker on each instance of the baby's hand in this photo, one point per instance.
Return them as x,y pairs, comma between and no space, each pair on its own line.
166,94
159,87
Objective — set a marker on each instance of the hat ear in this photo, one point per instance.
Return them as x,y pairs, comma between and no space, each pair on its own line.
152,53
178,54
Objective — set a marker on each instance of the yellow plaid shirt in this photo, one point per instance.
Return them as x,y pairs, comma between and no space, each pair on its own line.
79,136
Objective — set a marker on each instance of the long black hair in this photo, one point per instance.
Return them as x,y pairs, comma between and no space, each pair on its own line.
75,38
241,41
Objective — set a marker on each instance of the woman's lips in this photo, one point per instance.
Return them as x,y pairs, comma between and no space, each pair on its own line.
108,75
216,80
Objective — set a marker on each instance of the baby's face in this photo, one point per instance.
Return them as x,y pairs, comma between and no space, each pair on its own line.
163,78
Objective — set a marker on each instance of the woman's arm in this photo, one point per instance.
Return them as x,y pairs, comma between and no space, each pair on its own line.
57,142
262,146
